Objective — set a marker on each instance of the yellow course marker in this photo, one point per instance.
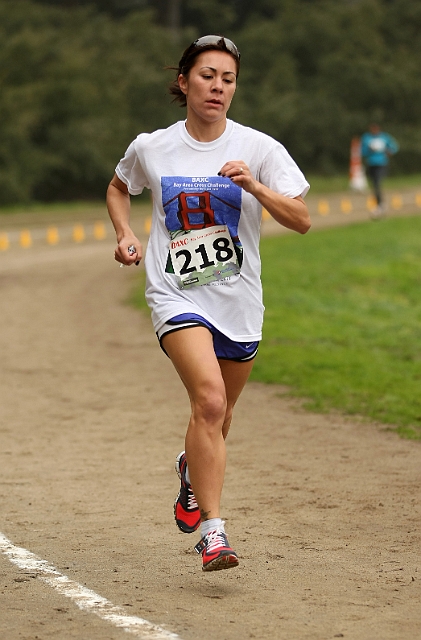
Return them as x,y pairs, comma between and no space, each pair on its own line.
52,235
148,224
371,203
397,201
4,242
25,239
323,208
346,206
78,233
418,199
99,231
265,214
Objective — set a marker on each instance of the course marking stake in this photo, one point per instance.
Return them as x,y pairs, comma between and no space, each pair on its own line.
52,235
371,203
148,224
99,231
346,206
4,241
323,207
397,201
84,598
25,239
78,233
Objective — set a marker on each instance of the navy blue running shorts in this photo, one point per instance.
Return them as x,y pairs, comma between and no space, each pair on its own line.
225,349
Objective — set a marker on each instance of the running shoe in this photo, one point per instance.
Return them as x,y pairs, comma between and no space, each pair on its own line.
186,510
216,552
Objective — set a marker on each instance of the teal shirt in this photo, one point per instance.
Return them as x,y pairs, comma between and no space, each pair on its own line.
376,148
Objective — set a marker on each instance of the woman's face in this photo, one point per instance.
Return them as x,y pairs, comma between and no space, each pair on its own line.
210,85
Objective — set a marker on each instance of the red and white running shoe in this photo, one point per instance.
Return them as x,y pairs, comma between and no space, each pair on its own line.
216,552
186,510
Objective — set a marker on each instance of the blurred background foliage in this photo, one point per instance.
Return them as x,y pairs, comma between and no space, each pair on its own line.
80,79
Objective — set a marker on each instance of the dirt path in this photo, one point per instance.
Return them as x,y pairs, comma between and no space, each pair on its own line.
323,511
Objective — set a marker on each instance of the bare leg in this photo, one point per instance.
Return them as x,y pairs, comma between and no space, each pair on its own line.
213,387
235,375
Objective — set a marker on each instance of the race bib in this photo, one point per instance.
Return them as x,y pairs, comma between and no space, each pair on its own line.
203,256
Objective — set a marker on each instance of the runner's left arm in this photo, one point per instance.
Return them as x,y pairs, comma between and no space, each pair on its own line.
292,213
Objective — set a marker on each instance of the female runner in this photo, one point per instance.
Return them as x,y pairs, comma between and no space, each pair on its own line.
210,178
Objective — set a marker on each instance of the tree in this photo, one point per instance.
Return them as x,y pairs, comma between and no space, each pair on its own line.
76,88
78,81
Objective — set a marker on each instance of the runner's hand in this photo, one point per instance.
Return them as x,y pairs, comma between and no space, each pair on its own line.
126,257
240,174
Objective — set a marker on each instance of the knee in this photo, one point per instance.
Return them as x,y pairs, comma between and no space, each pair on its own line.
210,406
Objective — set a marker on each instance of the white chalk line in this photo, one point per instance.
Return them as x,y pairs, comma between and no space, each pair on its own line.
84,598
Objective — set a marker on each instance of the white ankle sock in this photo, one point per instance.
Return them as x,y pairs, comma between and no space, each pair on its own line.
210,525
207,525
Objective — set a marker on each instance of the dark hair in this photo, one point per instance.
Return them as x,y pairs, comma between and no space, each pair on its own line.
188,59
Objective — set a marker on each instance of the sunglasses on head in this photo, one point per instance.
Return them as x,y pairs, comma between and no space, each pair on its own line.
206,40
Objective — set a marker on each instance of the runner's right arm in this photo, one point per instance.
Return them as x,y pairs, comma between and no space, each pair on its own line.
118,204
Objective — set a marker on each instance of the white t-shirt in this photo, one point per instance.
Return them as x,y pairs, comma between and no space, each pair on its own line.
203,252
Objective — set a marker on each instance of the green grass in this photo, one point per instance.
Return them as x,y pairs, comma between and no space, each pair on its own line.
343,320
342,324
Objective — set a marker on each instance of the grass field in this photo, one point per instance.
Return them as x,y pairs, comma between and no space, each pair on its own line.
343,320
